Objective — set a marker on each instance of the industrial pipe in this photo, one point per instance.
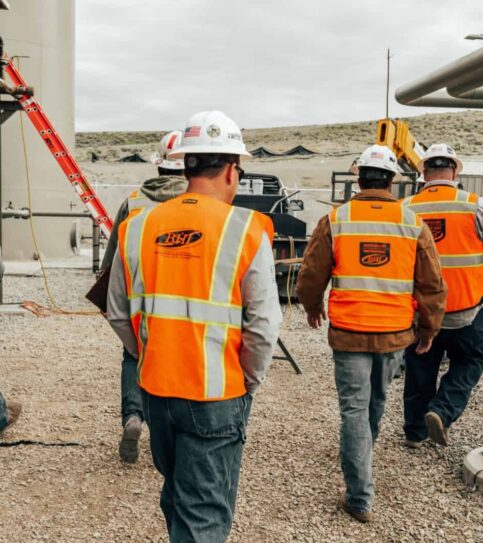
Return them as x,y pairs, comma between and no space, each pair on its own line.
25,213
11,212
462,79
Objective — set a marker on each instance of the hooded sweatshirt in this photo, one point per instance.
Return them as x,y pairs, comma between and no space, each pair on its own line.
158,189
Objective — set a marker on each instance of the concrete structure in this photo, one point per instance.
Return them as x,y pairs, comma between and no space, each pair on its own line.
473,469
43,31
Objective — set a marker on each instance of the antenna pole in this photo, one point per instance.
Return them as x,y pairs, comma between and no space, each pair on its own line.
387,81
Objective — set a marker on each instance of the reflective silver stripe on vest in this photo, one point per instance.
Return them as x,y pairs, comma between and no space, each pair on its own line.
409,217
132,250
373,284
174,307
143,337
462,196
462,261
443,207
342,213
228,254
214,354
223,278
375,229
139,202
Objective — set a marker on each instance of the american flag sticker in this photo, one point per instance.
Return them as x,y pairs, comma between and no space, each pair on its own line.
376,154
192,131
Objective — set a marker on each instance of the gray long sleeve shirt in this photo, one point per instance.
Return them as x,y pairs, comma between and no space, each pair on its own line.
260,321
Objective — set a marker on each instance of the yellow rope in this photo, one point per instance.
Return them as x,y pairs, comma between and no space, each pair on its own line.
56,307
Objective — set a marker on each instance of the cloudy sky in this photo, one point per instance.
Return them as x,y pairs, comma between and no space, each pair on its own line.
263,62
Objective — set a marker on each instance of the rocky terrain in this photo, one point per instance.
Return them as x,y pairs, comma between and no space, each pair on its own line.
72,487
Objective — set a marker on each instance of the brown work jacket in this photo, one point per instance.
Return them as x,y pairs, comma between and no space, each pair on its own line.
429,288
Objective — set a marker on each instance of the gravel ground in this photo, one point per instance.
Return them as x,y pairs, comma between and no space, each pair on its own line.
65,370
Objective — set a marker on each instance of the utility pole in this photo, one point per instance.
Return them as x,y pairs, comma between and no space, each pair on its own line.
387,81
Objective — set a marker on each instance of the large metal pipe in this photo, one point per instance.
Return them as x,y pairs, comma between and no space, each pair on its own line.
443,99
25,213
462,79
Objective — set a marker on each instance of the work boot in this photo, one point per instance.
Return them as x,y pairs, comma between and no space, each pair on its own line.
129,444
437,432
13,412
362,516
413,444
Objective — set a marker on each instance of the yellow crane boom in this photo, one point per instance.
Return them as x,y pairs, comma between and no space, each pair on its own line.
395,134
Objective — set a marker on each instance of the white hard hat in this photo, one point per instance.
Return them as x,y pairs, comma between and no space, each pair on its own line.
376,156
211,132
440,150
168,143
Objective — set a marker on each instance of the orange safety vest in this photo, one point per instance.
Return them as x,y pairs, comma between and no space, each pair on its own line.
137,200
450,213
184,263
374,251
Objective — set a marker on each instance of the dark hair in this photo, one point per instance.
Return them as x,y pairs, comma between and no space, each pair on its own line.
166,171
207,165
374,178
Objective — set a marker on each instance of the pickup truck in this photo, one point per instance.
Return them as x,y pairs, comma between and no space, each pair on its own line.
267,194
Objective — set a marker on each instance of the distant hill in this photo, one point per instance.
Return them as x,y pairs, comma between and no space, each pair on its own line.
463,130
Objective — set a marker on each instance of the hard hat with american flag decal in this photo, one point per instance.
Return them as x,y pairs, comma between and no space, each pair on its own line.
168,143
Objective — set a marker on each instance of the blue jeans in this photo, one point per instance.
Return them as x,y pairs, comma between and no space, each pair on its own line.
362,380
421,393
3,412
197,446
131,401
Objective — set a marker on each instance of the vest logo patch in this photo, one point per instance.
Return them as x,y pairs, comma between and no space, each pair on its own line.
373,254
179,238
437,227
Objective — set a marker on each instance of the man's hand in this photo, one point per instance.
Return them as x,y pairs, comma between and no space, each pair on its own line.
424,345
315,319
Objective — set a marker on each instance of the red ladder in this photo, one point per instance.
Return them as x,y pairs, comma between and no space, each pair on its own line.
60,152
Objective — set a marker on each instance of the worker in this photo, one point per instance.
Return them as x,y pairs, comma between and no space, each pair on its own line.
9,412
193,296
169,183
381,259
455,218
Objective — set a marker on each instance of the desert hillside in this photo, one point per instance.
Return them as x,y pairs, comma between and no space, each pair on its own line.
463,129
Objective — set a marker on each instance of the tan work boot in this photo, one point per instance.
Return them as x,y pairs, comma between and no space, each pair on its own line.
13,412
437,432
363,516
129,444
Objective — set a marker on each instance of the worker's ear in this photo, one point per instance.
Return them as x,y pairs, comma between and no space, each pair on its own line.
231,174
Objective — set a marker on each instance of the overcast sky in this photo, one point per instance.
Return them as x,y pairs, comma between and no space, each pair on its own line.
263,62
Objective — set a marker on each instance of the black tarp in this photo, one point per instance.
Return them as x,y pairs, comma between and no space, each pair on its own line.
132,158
299,150
94,157
262,152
